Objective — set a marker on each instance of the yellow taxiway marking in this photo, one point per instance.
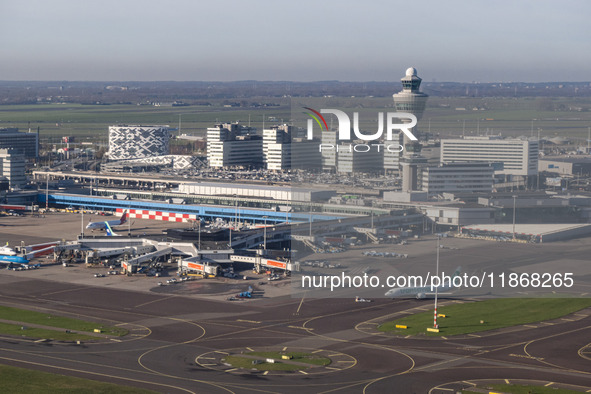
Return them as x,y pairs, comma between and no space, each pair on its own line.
442,337
474,335
336,369
300,328
230,370
249,349
507,381
567,319
208,365
334,355
249,321
528,326
549,384
317,351
284,349
208,358
266,372
220,352
305,373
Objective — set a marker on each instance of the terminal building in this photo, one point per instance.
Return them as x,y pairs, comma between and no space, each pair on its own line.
12,167
458,177
276,147
350,160
566,166
137,142
26,144
231,144
280,193
519,157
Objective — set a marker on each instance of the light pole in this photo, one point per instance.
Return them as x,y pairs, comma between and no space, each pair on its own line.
199,237
310,220
539,150
435,325
265,233
47,193
514,203
235,210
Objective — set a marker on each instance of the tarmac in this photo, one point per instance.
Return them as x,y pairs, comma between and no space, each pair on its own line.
180,333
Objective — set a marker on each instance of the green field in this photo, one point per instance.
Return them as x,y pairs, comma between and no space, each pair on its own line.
300,357
20,380
91,122
31,317
246,363
32,332
569,117
496,313
239,361
523,389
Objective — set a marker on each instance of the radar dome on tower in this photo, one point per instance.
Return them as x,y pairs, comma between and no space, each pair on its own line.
411,71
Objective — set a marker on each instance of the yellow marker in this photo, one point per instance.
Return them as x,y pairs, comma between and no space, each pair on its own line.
285,357
401,326
433,329
97,330
441,315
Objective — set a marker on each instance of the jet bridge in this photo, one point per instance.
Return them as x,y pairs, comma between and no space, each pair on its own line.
130,266
262,262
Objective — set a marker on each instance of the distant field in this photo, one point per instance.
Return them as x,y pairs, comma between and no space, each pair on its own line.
496,313
90,121
569,117
19,380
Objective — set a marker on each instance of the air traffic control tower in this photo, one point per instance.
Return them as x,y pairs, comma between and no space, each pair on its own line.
411,100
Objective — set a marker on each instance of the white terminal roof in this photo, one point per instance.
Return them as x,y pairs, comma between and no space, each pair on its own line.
285,193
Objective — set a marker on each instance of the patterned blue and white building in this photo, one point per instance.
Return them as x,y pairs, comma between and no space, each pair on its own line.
137,142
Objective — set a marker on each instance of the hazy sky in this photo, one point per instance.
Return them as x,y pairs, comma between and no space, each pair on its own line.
347,40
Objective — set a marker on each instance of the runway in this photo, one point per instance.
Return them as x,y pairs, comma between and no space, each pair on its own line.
176,344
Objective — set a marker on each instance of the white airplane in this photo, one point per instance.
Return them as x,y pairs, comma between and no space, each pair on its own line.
421,292
7,250
112,223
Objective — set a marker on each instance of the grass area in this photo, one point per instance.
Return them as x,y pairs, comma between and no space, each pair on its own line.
246,363
32,317
91,121
25,381
242,361
299,357
519,389
507,115
32,332
496,313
